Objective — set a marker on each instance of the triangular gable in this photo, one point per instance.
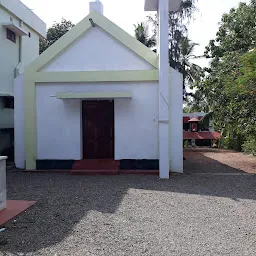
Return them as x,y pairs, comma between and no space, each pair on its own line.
105,24
97,50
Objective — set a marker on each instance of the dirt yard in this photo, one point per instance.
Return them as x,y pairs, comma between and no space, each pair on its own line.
218,161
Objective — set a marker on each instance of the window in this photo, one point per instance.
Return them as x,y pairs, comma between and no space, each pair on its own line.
9,102
11,35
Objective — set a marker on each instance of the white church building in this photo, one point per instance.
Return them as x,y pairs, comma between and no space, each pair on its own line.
99,94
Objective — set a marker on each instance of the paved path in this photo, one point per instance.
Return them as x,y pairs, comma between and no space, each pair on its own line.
132,215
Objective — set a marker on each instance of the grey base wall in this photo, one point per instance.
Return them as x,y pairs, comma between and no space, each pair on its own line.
54,164
6,140
124,164
143,164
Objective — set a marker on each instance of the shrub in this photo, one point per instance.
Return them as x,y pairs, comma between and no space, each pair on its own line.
226,143
234,141
185,144
249,146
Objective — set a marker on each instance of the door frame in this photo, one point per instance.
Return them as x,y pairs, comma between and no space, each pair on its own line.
83,120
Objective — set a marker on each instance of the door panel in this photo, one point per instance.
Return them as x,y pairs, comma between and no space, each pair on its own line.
98,129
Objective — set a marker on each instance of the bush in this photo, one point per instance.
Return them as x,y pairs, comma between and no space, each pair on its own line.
234,142
226,143
249,146
185,144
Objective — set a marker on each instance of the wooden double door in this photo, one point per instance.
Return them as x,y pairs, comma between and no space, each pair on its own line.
98,129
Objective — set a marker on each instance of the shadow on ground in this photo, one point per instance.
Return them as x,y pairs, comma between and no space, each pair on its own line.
63,200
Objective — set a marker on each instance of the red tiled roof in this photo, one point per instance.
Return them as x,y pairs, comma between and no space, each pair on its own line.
194,120
201,135
187,118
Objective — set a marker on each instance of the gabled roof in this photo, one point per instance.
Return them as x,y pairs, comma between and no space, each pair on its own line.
84,25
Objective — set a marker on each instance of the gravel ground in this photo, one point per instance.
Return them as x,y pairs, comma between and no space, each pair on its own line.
132,215
215,161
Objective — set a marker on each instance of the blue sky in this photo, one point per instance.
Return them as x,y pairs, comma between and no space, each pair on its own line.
125,13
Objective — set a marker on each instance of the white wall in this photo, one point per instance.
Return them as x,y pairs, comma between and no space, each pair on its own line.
19,131
30,46
22,12
176,121
9,60
9,51
59,127
97,50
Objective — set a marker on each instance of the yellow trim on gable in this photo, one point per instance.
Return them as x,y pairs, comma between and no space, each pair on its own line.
96,76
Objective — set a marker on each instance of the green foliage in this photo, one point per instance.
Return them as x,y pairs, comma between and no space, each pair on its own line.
55,32
205,121
180,47
249,146
141,31
227,142
185,144
178,32
237,32
191,72
230,95
186,109
197,102
229,85
232,140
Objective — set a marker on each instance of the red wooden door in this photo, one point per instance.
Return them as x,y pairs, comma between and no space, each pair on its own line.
98,129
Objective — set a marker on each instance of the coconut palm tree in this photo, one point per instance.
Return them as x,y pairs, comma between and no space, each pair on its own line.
141,31
191,71
183,51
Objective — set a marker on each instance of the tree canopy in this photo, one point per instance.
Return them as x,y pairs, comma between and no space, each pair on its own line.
237,32
229,84
142,34
56,31
180,47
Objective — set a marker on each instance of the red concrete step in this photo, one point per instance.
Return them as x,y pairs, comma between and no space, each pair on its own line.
96,165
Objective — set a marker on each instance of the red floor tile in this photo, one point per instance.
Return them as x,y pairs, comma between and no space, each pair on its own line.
14,208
